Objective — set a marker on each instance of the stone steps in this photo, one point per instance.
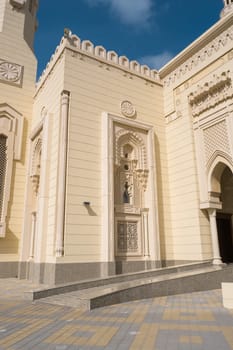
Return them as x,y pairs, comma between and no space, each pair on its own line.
175,282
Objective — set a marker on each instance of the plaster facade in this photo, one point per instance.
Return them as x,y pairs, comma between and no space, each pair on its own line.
113,167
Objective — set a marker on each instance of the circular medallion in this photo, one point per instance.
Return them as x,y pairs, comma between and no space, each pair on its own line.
128,109
9,71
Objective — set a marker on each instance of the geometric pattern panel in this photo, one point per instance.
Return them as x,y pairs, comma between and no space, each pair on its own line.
216,139
3,160
127,236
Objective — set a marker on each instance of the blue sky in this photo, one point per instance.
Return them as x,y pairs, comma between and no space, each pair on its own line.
150,31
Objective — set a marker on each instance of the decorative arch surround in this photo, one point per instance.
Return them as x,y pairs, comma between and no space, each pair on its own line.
11,126
219,156
11,123
215,170
130,137
36,163
130,210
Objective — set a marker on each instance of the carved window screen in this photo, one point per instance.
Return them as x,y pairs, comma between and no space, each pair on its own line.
127,240
3,163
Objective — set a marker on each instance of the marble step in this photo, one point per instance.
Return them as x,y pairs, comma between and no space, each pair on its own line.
91,283
205,278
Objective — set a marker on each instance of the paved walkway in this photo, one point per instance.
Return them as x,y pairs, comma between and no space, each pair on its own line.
194,321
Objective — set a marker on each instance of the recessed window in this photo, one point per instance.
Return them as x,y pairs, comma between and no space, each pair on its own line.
126,196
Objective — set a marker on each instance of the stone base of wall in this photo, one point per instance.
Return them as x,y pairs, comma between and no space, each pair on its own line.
53,274
170,263
8,269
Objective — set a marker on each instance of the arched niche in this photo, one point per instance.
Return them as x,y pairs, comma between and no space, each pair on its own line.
11,129
215,171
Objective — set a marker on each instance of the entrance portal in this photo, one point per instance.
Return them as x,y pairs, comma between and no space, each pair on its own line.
224,225
225,217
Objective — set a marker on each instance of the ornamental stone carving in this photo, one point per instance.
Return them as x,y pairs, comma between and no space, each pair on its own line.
128,109
200,57
211,93
10,72
18,3
216,139
35,179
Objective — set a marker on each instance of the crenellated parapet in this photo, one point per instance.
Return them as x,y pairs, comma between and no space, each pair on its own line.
111,58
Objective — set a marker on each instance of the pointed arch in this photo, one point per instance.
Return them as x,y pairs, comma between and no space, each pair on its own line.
36,154
131,138
216,167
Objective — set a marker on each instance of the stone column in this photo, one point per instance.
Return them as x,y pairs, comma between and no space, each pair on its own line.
217,260
62,165
146,233
33,230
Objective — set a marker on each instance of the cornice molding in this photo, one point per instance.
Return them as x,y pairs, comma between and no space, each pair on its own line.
197,52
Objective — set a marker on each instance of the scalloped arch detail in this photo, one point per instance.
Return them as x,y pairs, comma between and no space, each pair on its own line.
124,137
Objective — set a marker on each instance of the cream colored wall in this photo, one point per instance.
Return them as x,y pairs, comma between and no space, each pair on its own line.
16,25
2,10
183,242
14,49
48,101
190,236
96,88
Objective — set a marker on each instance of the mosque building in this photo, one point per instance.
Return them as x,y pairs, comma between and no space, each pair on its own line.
108,166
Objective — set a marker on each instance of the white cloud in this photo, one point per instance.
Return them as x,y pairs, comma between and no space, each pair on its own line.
133,12
156,61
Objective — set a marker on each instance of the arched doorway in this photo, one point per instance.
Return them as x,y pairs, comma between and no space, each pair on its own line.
224,216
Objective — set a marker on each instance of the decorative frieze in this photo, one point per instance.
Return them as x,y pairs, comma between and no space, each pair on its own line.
211,93
11,72
200,57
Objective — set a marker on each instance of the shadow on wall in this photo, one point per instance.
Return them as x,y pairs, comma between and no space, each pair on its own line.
159,185
90,211
10,243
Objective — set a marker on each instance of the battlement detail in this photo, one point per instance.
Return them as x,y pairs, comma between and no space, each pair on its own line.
87,48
